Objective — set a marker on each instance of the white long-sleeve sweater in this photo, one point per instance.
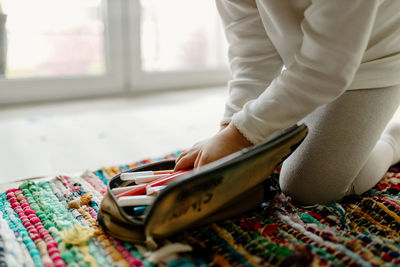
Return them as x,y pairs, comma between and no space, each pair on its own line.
326,46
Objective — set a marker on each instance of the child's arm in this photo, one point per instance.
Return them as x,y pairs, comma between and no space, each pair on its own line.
335,36
254,61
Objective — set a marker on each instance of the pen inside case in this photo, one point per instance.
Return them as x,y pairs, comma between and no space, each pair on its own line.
118,186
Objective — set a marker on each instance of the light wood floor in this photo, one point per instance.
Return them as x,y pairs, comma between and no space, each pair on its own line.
68,137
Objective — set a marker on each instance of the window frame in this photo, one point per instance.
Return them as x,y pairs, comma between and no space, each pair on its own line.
140,81
123,72
20,90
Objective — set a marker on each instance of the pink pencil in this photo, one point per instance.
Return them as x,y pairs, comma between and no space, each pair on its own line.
141,189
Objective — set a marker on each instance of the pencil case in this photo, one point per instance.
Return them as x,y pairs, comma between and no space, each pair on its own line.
221,189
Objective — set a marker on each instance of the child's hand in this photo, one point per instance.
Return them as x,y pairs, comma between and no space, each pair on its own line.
225,142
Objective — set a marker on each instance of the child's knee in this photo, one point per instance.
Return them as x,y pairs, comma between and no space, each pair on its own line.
307,194
309,188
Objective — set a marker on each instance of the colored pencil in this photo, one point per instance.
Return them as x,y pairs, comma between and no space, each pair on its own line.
154,190
141,189
135,201
119,190
130,176
144,179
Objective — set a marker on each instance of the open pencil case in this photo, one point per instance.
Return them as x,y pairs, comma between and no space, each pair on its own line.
218,190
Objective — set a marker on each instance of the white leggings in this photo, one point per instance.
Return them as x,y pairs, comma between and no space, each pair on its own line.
343,153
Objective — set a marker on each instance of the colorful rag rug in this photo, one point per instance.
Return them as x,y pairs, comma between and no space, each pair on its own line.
53,223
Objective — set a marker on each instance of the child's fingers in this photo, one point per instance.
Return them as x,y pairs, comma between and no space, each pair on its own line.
196,162
193,149
181,156
203,160
186,161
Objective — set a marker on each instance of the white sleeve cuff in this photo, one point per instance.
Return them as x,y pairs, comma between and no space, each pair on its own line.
245,128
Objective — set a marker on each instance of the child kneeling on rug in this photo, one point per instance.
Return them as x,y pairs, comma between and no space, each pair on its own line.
341,78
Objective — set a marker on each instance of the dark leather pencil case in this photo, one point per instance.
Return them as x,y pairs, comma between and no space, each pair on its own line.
218,190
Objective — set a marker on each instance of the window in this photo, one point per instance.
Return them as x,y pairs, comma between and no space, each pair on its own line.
43,60
65,38
181,43
55,49
180,35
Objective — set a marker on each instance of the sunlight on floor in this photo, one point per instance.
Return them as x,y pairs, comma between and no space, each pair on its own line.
74,136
